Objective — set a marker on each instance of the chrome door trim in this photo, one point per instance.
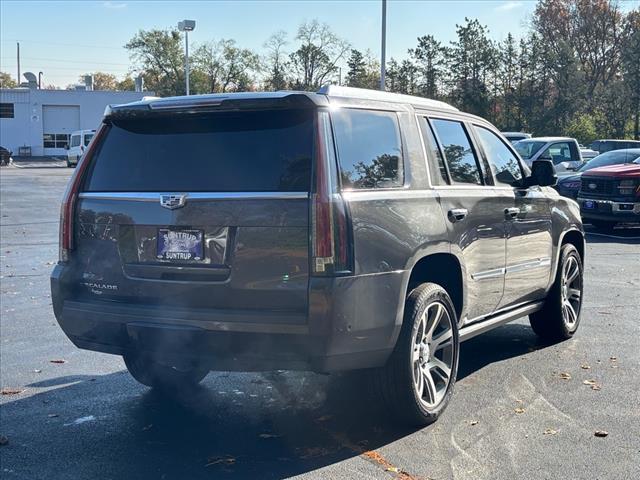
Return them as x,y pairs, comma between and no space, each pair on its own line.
486,274
529,265
194,196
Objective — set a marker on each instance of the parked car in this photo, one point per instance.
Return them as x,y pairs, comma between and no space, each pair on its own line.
514,137
562,151
5,156
602,146
611,195
319,231
569,182
79,142
587,154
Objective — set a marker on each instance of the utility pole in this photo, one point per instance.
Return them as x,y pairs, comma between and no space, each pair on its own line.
186,26
18,49
384,45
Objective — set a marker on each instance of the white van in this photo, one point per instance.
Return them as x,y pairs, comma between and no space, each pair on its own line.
77,145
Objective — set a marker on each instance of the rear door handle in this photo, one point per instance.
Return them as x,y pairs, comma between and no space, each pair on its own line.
457,214
511,212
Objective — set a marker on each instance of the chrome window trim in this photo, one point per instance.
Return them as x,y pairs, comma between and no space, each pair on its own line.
194,196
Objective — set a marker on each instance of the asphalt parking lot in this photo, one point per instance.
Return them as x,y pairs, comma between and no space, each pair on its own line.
521,409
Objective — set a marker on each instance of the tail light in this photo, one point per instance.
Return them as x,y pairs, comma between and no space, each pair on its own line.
331,248
67,210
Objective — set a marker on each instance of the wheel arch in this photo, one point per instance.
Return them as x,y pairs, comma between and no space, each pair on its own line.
445,270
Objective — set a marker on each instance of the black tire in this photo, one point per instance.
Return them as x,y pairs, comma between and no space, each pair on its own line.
153,374
69,164
394,383
551,323
605,226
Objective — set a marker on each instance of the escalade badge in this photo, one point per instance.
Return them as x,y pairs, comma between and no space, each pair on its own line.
172,201
593,186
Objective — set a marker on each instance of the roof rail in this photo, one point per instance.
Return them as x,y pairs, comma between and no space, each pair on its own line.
366,94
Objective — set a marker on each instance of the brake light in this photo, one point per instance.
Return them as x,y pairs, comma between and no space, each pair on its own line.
67,209
330,243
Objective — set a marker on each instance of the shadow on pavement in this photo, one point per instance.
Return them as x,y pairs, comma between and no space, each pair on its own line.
271,425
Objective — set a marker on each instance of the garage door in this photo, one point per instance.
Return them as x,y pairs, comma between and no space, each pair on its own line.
58,121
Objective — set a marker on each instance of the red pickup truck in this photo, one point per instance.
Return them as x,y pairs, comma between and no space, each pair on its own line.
610,195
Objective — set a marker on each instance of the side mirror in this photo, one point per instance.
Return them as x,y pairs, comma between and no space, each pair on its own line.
543,173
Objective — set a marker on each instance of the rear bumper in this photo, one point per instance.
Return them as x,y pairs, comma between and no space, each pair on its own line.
352,323
611,210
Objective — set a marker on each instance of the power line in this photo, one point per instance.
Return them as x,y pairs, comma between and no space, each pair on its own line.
72,61
13,40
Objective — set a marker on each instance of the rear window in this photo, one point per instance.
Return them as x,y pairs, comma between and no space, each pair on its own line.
260,151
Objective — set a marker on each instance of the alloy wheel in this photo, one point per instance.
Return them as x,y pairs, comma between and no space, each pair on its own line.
433,354
571,292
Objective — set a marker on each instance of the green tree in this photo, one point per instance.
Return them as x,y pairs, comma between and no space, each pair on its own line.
6,81
583,128
363,70
429,58
126,84
631,67
101,80
222,66
159,54
471,60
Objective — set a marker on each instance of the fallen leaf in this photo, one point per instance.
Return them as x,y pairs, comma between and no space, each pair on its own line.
226,460
58,360
37,370
4,440
585,366
269,435
473,422
11,391
550,431
565,376
519,410
613,359
601,433
595,387
52,415
392,469
589,382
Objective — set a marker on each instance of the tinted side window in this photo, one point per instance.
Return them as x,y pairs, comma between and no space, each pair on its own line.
504,165
87,139
437,170
461,160
558,152
369,148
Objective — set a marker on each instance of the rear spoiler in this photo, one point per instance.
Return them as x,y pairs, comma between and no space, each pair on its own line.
217,102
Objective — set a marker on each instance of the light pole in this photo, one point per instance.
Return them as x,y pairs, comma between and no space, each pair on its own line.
384,45
186,26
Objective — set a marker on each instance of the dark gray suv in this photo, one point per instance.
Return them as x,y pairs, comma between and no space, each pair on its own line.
341,230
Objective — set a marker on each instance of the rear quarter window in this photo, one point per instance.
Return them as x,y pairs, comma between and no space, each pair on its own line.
369,148
258,151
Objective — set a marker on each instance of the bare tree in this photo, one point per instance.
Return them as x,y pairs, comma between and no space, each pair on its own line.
315,61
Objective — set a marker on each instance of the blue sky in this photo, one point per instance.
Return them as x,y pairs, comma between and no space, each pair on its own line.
67,38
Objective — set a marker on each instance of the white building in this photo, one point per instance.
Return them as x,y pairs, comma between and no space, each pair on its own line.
42,120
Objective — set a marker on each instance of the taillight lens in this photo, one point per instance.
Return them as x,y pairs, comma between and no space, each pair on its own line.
67,209
331,248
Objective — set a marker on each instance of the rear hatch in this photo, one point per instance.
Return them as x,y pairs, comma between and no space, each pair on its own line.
199,210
